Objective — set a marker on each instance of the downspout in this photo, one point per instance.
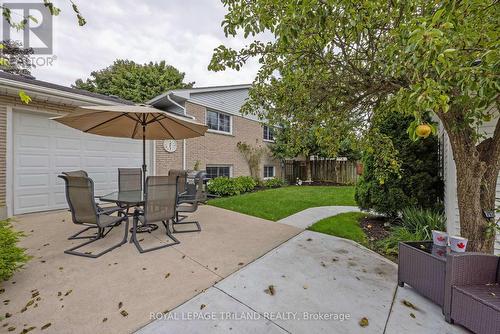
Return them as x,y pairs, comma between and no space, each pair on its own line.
184,140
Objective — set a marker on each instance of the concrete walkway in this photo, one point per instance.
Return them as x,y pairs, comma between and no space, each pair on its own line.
306,218
320,284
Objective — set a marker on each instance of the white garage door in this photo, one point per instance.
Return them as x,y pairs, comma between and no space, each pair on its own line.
44,148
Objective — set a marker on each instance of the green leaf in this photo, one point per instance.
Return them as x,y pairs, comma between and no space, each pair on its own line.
25,98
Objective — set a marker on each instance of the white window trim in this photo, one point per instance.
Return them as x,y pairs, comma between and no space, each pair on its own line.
274,172
230,133
222,165
264,139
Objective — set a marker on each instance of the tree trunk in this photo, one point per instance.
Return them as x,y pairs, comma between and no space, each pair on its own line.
308,168
477,171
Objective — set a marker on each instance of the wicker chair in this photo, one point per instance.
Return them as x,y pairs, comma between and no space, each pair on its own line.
84,211
160,206
472,292
188,203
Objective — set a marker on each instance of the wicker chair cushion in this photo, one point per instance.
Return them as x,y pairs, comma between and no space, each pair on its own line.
487,294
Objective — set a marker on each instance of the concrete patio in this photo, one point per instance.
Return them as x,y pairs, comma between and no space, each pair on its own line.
215,281
82,295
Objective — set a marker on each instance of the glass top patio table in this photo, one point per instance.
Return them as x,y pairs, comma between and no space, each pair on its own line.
131,198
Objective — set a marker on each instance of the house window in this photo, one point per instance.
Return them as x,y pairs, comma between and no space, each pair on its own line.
216,171
218,121
268,171
268,133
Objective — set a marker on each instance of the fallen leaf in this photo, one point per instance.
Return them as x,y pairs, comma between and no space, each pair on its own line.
323,264
11,329
120,304
68,292
202,306
493,294
305,287
31,302
240,263
59,294
183,256
26,330
8,315
408,304
46,326
309,239
215,268
61,268
144,269
167,275
2,291
24,309
412,315
270,290
363,322
105,319
124,313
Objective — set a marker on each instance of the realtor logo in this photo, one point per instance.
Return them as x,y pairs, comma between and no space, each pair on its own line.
35,35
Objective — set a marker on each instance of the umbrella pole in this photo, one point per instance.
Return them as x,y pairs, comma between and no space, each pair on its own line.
144,158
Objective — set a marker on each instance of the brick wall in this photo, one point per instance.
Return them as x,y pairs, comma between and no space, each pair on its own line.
216,149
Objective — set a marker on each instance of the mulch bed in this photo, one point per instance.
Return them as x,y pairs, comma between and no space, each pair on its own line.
374,228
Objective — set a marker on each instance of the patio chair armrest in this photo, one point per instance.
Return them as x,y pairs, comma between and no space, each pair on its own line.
468,269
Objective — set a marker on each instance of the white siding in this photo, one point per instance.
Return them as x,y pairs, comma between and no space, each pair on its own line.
450,185
228,101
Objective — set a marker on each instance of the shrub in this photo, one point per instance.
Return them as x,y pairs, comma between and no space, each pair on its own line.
419,183
11,256
273,183
247,183
416,225
224,186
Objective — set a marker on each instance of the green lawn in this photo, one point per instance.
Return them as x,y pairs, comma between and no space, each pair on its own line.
344,225
275,204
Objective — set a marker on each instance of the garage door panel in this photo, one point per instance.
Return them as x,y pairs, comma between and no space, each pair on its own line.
43,149
29,160
64,162
34,180
33,202
33,141
67,143
25,121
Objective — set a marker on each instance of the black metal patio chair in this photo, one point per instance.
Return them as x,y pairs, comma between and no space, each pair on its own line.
129,179
160,206
188,203
181,181
76,173
84,211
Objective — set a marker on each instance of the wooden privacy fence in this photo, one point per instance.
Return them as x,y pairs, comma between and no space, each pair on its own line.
323,170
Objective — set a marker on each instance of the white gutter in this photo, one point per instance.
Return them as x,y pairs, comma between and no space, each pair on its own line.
51,92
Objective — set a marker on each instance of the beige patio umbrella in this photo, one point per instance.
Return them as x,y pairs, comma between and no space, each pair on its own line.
132,121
